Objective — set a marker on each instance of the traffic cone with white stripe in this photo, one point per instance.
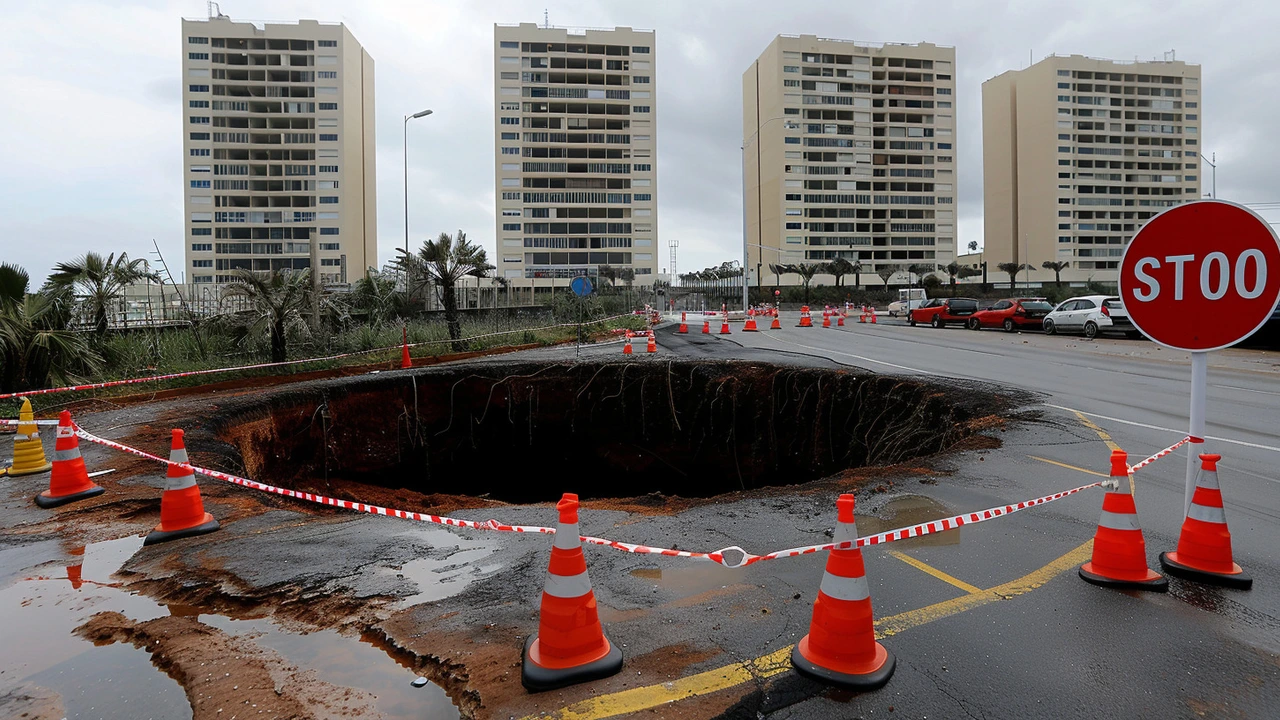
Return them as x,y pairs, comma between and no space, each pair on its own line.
841,647
181,509
570,646
805,319
750,325
1204,547
626,345
706,327
1119,551
28,451
776,324
652,346
839,319
69,480
684,325
826,317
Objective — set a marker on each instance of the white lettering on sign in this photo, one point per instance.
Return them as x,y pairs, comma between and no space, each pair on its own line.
1212,261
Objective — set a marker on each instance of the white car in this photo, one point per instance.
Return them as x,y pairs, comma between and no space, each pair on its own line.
1091,315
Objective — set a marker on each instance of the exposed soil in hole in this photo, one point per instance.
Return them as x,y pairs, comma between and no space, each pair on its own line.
528,432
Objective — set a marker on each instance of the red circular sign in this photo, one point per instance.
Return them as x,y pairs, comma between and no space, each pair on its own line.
1201,276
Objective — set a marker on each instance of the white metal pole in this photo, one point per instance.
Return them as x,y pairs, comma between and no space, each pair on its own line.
1199,380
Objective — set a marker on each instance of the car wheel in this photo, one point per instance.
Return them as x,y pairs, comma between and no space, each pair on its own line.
1133,334
1049,328
1008,325
937,322
974,324
1091,330
911,320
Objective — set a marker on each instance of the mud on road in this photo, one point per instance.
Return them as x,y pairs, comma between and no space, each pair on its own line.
682,454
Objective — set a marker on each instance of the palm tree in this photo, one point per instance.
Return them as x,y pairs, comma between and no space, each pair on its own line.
967,272
953,270
806,271
1013,269
887,271
445,261
276,304
839,268
1057,268
100,281
35,344
778,270
608,272
857,273
973,246
376,295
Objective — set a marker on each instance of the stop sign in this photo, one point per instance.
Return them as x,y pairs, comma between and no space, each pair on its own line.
1201,276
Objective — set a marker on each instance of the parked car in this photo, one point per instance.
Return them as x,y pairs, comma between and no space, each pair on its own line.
940,311
908,299
1012,314
1091,315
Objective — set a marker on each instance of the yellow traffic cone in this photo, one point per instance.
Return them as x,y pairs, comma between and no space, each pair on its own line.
28,452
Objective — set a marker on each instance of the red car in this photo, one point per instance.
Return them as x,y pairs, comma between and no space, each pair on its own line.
1017,314
940,311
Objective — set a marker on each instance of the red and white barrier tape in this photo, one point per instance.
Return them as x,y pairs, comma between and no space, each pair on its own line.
921,529
1162,453
259,366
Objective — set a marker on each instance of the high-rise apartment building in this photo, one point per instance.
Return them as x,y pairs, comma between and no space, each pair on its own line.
849,152
1078,153
277,150
575,136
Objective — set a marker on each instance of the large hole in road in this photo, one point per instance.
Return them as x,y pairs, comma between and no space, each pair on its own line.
528,432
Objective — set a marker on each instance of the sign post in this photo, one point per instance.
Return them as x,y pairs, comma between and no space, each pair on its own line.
1201,276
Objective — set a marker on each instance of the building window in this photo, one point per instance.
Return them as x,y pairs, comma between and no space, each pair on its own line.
202,263
792,140
198,88
199,183
642,167
328,168
201,247
511,226
199,120
199,152
197,56
509,44
508,106
328,199
509,121
510,136
1064,73
330,262
944,146
510,151
510,196
640,49
328,137
199,136
327,43
646,197
328,106
639,108
943,91
328,231
197,41
327,74
198,103
640,79
790,68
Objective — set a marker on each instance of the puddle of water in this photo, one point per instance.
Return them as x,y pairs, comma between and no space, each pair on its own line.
905,511
691,579
439,578
119,681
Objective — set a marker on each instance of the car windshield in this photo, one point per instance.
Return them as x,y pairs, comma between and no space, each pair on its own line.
1037,306
963,304
1113,304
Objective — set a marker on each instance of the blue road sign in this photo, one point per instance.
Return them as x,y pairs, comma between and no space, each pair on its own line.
581,286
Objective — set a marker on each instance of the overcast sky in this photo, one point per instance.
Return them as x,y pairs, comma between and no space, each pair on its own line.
91,148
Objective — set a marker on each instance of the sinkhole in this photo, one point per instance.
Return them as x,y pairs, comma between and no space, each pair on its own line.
527,432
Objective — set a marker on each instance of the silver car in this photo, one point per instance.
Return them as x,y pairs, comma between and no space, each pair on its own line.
1090,315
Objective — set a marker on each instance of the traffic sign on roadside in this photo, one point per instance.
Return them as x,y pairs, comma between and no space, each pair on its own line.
1201,276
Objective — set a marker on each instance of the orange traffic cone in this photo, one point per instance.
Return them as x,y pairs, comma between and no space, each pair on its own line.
841,646
873,314
839,319
684,326
777,324
1204,547
724,326
706,327
1119,551
75,572
406,362
862,317
805,319
570,646
69,480
750,325
826,319
653,344
181,509
626,346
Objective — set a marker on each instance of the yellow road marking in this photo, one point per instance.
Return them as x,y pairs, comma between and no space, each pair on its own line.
1106,438
779,661
924,567
1069,467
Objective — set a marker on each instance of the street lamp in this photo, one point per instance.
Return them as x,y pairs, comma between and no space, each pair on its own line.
759,210
407,118
1213,192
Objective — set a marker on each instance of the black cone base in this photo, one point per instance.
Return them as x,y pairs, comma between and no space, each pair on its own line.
536,678
47,502
1158,584
1238,581
159,536
871,681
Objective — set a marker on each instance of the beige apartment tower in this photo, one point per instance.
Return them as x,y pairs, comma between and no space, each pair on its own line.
1078,153
575,137
849,152
277,150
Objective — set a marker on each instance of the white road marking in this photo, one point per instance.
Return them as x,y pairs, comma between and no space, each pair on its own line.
857,357
1251,390
1164,429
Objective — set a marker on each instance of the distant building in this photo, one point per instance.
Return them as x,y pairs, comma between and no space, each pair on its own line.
575,137
277,150
849,151
1079,152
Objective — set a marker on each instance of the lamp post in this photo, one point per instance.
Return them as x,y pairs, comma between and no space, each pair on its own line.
407,118
759,210
1213,192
